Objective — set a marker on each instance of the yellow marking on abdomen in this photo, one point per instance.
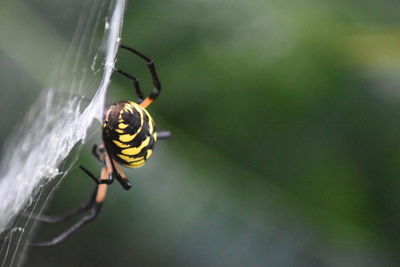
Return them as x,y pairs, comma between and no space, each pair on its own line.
130,159
119,144
123,125
135,164
151,127
108,114
128,108
132,105
136,150
129,137
149,152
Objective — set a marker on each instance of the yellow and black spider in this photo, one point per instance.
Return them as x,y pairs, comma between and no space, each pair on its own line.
129,136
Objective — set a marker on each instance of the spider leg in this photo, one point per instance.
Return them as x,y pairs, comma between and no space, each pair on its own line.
122,179
135,81
117,172
163,135
95,207
94,211
156,82
81,208
98,181
67,215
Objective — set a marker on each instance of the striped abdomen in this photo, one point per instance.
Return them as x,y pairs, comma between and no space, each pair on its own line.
129,133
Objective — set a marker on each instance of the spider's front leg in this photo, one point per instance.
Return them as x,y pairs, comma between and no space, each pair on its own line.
93,205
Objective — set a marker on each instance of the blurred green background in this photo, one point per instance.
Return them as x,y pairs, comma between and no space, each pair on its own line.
286,126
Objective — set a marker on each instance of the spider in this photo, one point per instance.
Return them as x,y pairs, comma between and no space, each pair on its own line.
129,135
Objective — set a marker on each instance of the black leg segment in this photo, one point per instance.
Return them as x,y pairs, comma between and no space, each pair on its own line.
151,66
163,135
123,181
68,215
95,179
135,81
95,210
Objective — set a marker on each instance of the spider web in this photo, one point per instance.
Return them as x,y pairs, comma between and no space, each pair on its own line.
58,122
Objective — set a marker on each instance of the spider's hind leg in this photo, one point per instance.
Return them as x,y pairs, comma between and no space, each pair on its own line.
96,202
163,135
94,211
78,210
67,215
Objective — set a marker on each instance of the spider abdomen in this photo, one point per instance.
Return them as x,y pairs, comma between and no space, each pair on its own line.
129,133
